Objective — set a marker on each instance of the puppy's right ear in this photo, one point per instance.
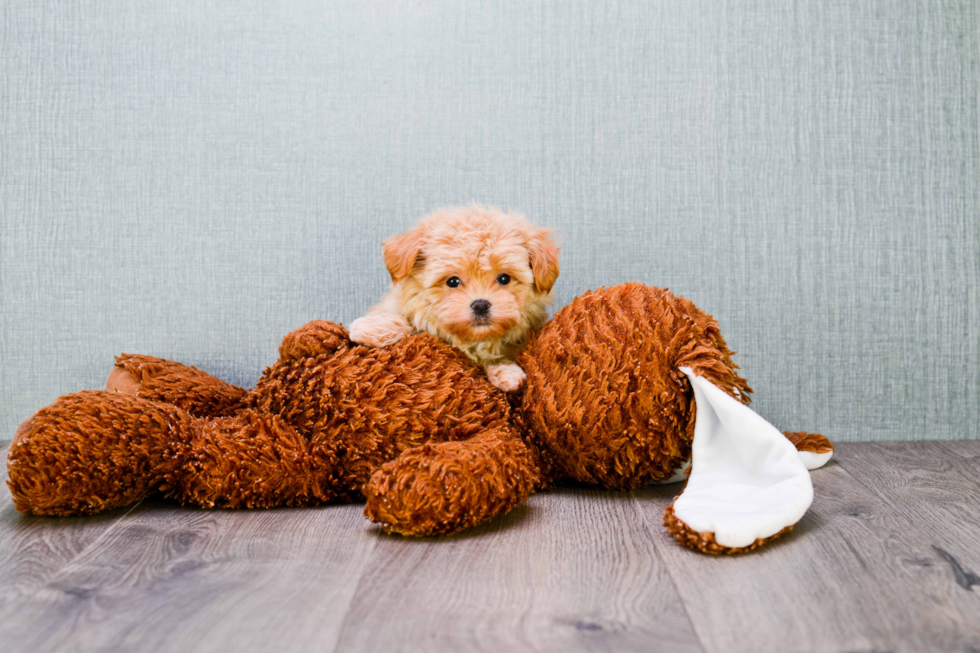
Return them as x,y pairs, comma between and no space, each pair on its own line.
401,252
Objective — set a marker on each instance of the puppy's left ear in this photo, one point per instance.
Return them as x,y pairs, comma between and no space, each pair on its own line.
401,252
544,259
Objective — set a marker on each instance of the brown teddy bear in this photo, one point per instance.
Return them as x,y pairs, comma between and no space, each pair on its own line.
417,430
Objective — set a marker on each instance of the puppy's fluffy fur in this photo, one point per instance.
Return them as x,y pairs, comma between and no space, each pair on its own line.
447,280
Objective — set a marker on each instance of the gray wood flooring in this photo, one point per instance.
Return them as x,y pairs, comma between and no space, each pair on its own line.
887,559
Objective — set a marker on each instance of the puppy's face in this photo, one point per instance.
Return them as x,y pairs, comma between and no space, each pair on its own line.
474,274
478,288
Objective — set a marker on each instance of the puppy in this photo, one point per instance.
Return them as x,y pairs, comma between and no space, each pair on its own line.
478,278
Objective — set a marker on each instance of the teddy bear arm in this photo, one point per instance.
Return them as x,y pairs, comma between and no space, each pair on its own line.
184,386
313,339
447,487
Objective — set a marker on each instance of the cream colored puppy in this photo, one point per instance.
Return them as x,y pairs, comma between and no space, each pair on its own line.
478,278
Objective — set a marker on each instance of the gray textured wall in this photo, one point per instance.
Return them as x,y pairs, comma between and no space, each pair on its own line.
194,179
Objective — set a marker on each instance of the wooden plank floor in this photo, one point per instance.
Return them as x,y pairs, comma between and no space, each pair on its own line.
887,559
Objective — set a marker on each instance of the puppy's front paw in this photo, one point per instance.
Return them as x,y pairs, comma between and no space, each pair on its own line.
508,377
378,331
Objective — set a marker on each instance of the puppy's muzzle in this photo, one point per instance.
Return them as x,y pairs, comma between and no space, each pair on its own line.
481,309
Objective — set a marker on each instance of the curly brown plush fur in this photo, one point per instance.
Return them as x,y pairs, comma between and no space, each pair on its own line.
813,442
705,542
415,428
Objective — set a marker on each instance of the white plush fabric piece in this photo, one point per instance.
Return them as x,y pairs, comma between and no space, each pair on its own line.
814,460
747,481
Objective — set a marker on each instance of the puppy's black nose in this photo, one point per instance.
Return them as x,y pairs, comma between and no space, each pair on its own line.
480,307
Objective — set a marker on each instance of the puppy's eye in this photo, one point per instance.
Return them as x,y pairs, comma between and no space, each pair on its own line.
453,282
503,279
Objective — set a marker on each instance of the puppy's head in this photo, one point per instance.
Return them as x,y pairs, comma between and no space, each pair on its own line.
472,274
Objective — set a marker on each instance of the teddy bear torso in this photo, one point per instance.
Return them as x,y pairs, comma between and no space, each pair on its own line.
370,405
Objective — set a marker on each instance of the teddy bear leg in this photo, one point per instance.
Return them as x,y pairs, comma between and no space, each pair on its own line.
251,460
91,451
186,387
444,488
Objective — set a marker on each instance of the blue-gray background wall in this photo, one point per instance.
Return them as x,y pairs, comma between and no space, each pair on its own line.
194,179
